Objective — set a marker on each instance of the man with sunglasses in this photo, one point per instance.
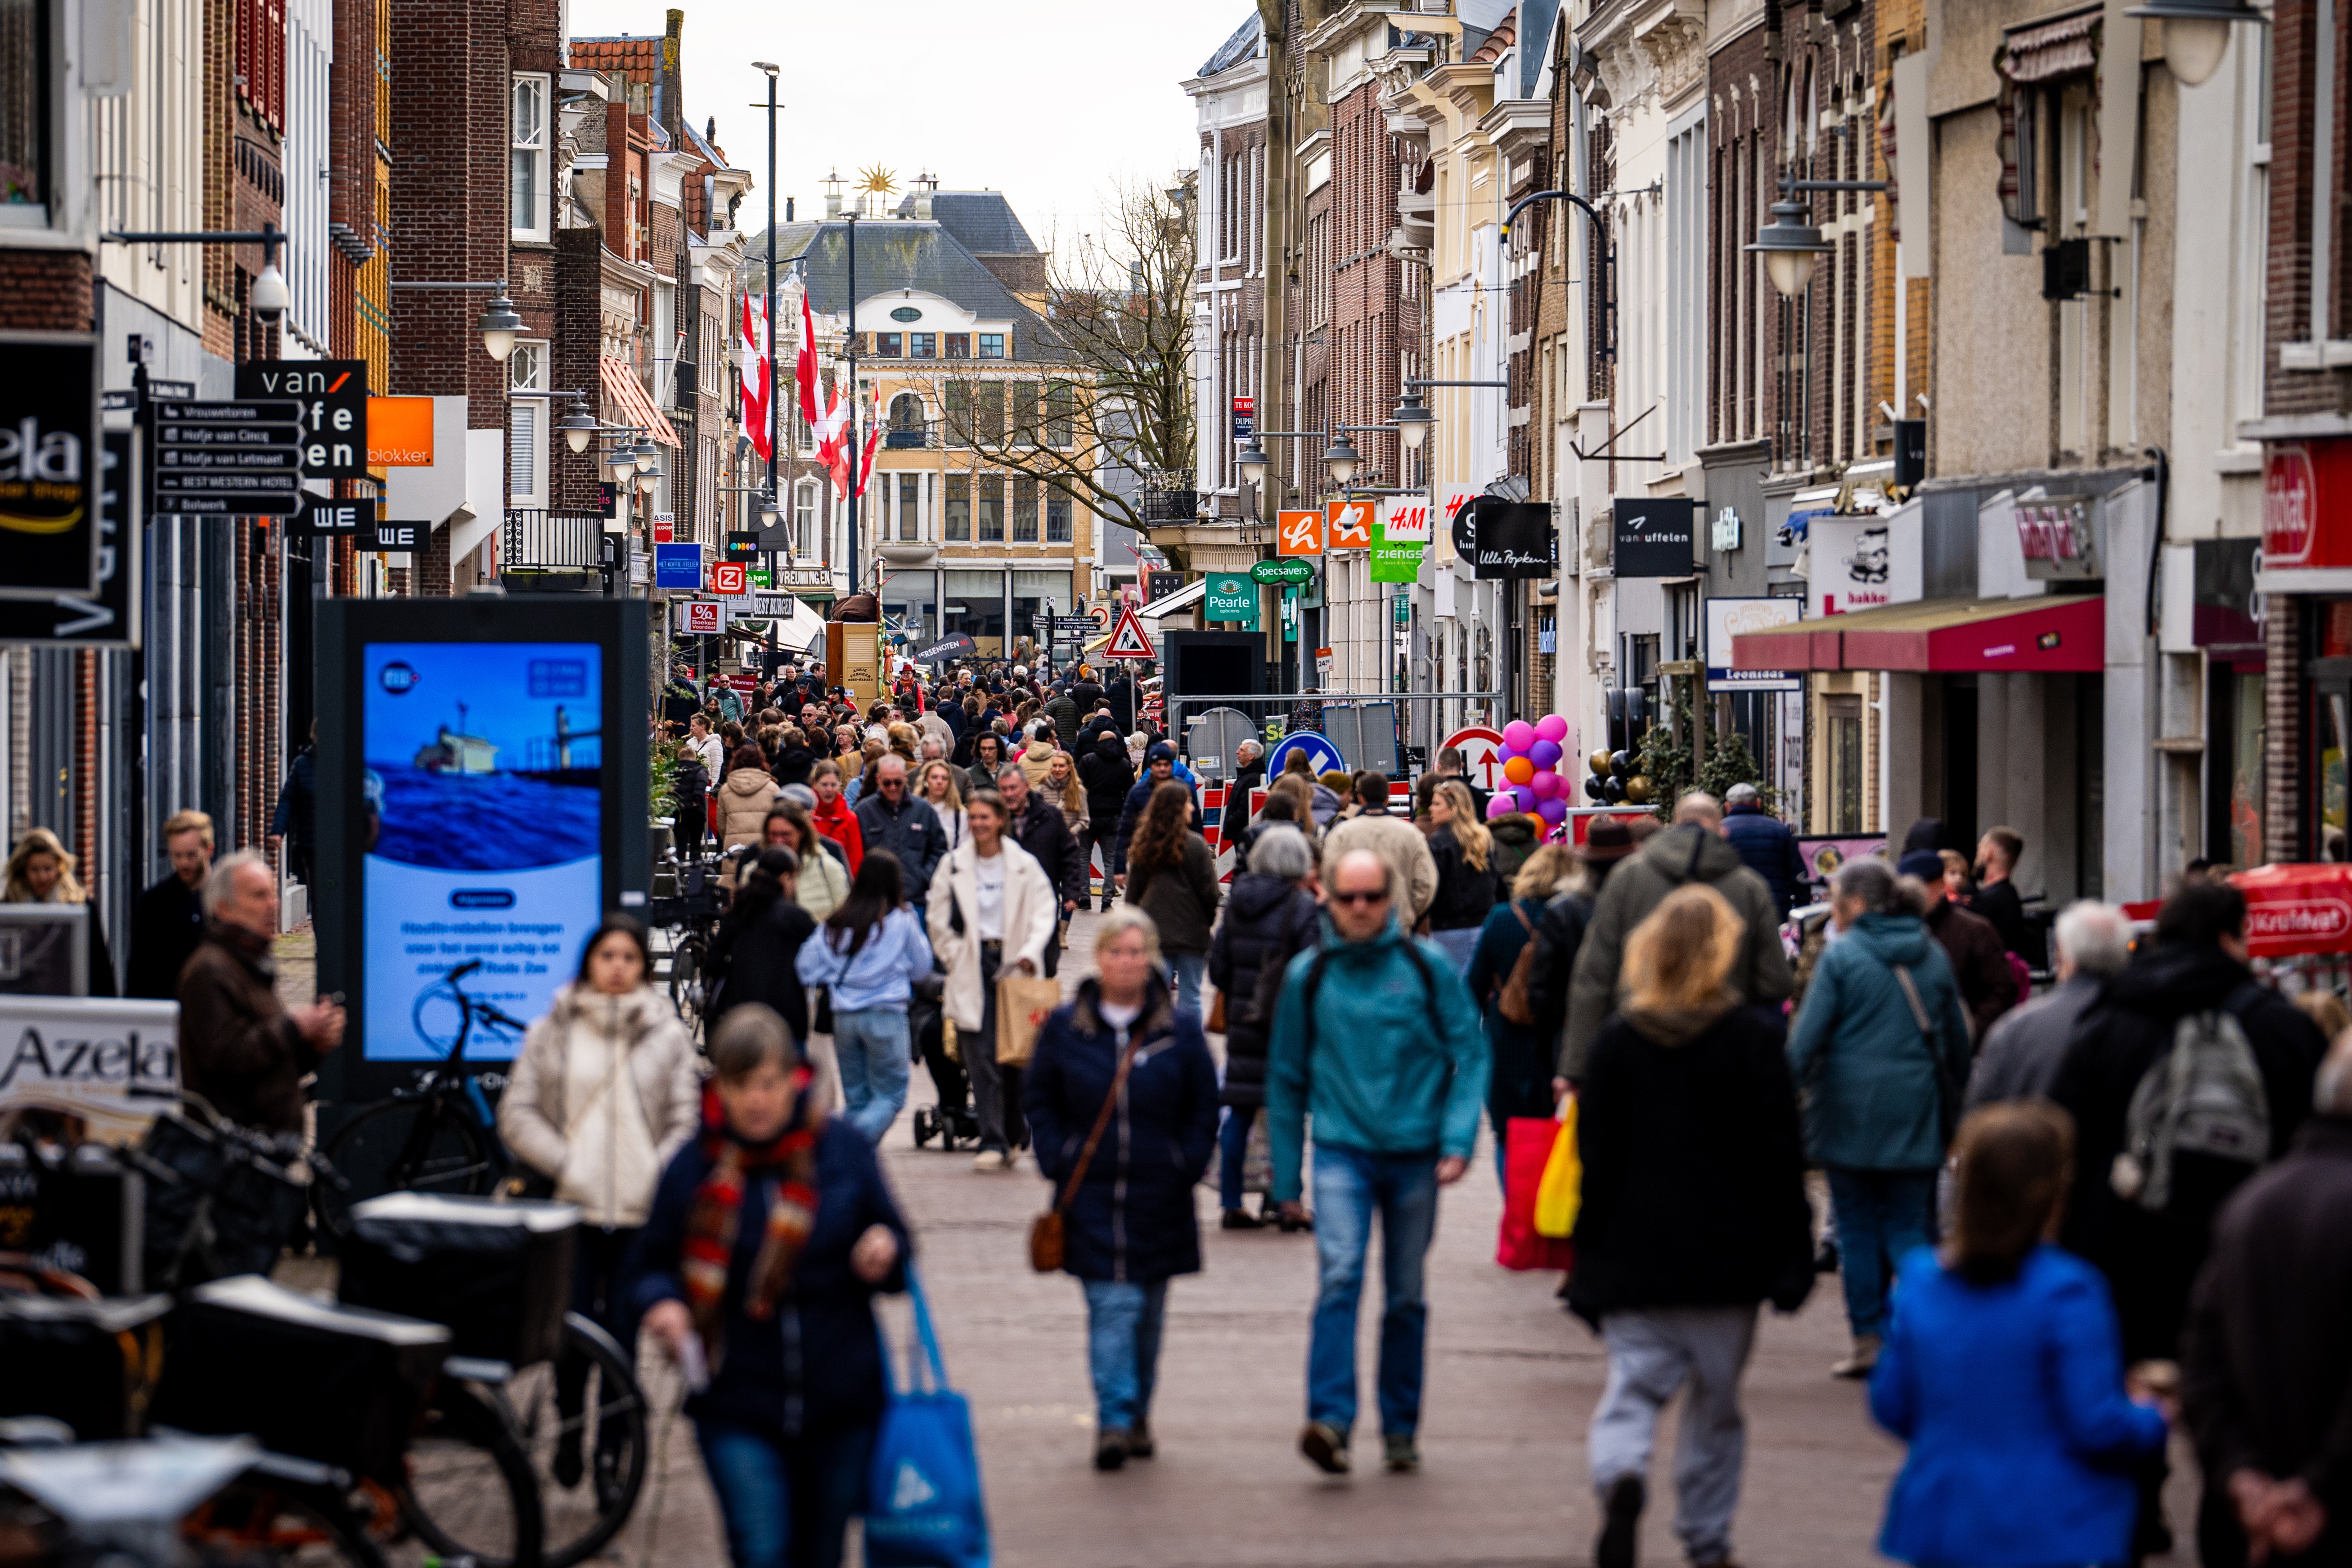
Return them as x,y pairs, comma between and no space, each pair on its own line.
1378,1038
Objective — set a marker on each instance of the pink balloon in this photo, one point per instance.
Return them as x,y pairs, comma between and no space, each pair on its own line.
1525,796
1518,734
1551,727
1543,754
1504,805
1552,811
1548,785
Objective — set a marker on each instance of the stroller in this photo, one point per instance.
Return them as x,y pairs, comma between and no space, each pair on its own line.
952,1121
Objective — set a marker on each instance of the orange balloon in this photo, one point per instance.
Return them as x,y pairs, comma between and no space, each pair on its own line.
1520,770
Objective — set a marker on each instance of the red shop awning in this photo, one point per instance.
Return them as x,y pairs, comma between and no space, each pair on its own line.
2064,633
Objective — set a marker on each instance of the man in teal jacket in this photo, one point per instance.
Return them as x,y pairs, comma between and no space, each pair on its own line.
1377,1035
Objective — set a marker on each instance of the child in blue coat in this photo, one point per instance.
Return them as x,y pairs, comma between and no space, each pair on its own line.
2003,1371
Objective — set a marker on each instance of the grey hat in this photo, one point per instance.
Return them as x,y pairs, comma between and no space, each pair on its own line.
800,795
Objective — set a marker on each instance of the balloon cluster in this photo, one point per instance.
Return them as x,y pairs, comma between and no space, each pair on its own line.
1614,781
1531,756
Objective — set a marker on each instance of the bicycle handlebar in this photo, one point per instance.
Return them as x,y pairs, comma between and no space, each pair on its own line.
463,970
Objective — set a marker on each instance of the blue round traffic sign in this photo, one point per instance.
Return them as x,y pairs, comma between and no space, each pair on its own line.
1321,755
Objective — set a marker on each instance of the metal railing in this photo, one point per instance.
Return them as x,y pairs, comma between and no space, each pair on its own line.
537,537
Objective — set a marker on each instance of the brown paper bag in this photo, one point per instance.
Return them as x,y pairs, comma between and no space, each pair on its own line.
1021,1002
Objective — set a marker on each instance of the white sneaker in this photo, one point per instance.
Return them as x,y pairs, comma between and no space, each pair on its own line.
994,1160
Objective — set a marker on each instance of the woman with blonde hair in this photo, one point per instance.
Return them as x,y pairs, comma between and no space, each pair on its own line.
940,787
1693,1214
41,872
1063,789
1467,883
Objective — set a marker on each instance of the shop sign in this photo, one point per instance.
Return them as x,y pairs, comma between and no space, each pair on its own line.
1231,596
2057,538
1723,533
333,396
1401,538
1729,618
1351,526
1654,536
1244,418
1299,533
1862,562
2306,507
1292,572
1516,539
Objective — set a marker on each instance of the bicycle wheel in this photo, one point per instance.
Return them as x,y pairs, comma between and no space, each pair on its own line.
469,1491
401,1145
260,1521
689,981
591,1462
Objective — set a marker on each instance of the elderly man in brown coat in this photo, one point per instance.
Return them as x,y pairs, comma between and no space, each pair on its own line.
241,1048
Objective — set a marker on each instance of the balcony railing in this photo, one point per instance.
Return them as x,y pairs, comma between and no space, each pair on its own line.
537,537
910,438
1169,506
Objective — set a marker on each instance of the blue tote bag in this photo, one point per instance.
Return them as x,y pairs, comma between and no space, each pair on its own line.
924,1506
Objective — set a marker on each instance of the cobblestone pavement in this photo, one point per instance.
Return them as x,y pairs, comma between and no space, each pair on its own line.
1511,1384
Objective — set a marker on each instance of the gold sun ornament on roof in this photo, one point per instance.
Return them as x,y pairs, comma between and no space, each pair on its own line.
878,181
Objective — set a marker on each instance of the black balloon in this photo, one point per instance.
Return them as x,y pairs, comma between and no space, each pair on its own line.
1613,789
1622,764
1596,789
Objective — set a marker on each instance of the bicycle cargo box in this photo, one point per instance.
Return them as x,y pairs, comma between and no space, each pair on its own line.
241,1184
499,1275
79,1361
338,1385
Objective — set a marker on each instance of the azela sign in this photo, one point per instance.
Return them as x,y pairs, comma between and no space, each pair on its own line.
1293,571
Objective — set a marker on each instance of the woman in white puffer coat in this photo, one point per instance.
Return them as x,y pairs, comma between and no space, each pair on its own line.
607,1088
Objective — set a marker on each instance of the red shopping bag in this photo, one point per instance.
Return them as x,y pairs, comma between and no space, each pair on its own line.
1526,1147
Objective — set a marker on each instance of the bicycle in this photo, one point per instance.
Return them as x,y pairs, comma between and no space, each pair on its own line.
693,912
438,1136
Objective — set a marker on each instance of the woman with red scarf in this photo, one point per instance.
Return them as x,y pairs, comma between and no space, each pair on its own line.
770,1235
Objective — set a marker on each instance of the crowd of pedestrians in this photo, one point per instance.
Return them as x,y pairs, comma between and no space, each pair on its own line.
2063,1223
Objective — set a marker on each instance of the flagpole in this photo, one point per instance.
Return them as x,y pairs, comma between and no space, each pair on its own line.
774,408
854,579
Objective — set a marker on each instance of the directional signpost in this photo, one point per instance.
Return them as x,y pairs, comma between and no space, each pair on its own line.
241,458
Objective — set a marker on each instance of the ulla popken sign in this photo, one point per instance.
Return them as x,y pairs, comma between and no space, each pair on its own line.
89,1056
1513,539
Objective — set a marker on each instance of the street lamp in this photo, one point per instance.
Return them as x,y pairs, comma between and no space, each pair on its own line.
1340,459
1413,420
1789,246
646,455
623,461
768,511
579,426
500,323
1253,462
2196,33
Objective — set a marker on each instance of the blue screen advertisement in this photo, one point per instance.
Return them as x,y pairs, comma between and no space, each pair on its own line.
485,782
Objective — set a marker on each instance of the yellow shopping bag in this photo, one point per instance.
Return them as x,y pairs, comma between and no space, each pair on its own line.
1562,1190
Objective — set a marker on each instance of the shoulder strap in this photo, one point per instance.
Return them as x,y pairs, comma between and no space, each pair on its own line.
1522,915
1102,1120
1911,995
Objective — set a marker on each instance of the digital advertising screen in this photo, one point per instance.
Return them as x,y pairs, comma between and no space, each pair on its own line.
482,834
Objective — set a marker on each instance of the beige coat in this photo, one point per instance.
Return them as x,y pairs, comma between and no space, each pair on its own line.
1030,914
1037,760
1401,845
605,1090
743,801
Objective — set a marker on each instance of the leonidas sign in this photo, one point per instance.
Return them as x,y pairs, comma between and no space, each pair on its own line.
89,1056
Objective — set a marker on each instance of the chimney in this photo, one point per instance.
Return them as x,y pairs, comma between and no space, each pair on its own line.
925,185
673,90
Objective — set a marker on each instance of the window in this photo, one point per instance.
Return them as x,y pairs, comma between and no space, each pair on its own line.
804,518
529,187
1845,739
886,345
1061,409
959,345
922,345
958,511
1025,397
527,366
972,603
991,345
991,509
24,111
526,451
959,409
911,505
989,411
1057,515
1025,511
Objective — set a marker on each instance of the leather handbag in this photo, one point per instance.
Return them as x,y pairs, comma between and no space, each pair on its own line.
1515,1004
1046,1231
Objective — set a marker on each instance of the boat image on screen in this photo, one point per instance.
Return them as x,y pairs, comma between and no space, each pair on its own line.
460,804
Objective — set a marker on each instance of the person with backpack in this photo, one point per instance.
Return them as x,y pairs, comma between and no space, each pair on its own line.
1270,917
2184,1078
1378,1038
1500,976
869,954
1881,1052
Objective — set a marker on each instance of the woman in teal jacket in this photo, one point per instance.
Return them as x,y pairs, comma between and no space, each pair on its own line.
1880,1052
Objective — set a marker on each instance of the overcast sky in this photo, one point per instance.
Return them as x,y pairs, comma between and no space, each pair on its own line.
1050,101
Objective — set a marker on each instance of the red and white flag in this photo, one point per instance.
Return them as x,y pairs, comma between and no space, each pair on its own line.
759,377
809,397
836,454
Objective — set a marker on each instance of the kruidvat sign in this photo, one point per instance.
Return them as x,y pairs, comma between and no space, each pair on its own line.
89,1056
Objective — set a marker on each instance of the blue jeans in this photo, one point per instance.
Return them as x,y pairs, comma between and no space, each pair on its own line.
1882,1215
1348,1188
1123,1323
1233,1145
786,1501
872,1045
1190,969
